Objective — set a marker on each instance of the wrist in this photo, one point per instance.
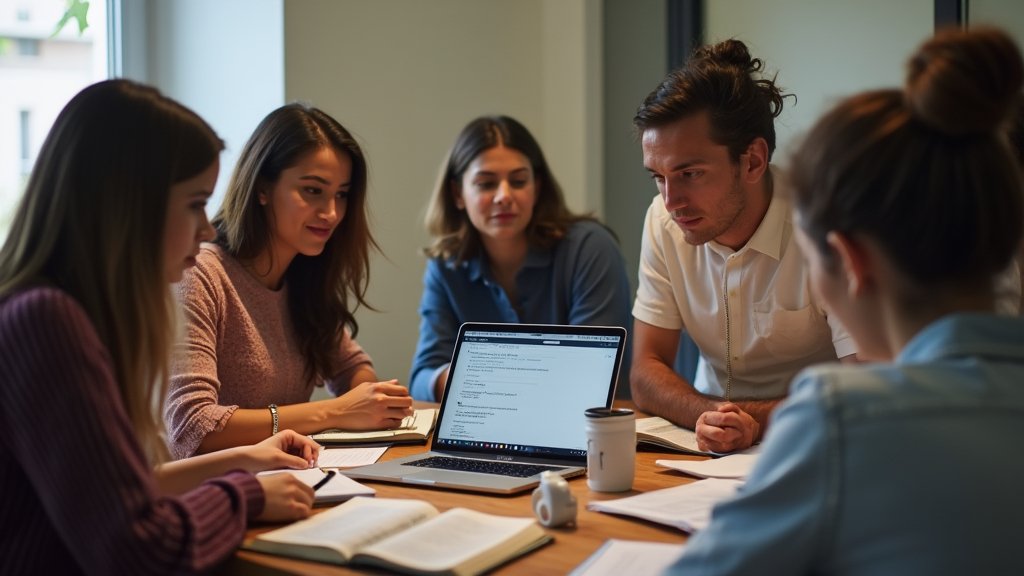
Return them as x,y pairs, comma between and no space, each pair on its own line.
275,420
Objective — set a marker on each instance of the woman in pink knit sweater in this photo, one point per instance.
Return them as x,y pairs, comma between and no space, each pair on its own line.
270,303
113,212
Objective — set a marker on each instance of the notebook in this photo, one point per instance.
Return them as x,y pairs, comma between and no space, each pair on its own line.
513,407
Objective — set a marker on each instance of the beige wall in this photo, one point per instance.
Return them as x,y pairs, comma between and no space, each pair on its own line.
823,49
406,75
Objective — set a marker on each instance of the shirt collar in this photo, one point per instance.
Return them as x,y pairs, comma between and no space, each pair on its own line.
773,232
477,267
983,335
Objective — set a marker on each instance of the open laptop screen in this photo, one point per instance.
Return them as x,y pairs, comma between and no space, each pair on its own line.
522,389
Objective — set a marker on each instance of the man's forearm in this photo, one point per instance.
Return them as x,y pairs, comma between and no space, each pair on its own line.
658,390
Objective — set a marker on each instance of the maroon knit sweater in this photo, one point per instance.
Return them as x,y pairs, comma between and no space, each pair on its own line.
78,495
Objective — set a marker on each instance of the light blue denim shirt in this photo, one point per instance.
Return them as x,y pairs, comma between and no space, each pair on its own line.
905,468
582,281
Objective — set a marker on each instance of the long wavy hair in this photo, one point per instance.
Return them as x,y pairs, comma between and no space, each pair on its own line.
454,236
323,290
91,223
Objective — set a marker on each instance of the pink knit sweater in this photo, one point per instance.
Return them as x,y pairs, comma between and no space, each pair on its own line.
240,351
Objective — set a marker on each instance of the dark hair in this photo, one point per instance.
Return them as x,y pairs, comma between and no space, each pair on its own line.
453,233
925,171
91,222
719,79
319,286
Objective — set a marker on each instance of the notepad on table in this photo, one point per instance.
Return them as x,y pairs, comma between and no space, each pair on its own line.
406,536
415,428
337,487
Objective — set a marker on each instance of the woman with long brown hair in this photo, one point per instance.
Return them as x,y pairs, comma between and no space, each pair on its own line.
270,302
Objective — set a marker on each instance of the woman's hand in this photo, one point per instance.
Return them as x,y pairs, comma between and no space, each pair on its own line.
373,406
286,449
286,497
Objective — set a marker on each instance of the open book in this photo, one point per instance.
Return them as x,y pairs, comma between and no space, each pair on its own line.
415,428
406,536
661,432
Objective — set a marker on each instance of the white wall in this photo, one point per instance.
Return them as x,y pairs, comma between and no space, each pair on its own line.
405,76
823,49
223,59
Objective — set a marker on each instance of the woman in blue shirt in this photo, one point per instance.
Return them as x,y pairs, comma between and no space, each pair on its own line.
506,248
908,204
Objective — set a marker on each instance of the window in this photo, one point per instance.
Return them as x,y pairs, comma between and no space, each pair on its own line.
40,71
24,119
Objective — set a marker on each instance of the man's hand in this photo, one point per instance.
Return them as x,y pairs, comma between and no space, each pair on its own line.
726,429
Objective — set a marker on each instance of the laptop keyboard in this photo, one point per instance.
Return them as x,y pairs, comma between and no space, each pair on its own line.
482,466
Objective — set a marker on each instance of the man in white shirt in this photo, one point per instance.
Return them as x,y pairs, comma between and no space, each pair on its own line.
718,258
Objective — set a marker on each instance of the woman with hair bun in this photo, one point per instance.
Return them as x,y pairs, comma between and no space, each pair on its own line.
908,204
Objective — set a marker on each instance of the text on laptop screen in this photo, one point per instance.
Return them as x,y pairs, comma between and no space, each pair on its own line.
526,391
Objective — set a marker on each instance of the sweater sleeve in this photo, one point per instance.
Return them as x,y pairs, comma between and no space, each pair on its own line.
193,407
95,486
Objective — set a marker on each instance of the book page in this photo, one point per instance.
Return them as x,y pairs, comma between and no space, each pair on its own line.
669,434
353,525
457,538
736,465
619,557
687,507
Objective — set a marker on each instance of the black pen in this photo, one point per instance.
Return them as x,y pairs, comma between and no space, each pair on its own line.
323,481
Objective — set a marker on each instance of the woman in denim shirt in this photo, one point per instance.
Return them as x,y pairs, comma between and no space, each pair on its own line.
507,249
909,203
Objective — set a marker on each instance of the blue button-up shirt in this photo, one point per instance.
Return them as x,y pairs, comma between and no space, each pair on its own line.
904,468
582,281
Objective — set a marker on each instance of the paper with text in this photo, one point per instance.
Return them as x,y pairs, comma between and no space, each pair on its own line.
687,507
737,465
619,557
349,457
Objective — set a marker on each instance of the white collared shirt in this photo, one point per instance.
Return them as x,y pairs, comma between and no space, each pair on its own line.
776,327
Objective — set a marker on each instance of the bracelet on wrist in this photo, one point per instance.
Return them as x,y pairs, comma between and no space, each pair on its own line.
273,418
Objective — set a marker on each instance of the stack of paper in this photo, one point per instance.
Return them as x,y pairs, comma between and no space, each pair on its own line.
736,466
687,507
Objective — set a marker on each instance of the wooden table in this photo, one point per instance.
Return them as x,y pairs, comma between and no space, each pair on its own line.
571,545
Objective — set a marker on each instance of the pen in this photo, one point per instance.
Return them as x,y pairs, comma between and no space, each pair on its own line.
323,481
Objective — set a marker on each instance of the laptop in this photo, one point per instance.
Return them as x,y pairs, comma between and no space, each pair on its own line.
513,407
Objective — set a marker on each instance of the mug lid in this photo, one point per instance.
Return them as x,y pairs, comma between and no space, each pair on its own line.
607,412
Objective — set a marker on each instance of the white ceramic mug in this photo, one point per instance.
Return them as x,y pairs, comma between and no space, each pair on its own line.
553,504
611,449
